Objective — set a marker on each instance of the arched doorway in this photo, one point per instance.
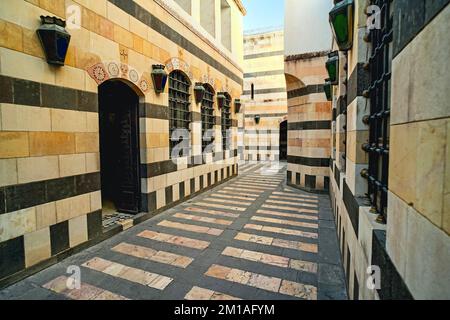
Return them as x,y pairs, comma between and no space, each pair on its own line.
283,140
119,147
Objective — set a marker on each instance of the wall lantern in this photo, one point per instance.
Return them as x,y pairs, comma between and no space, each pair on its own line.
327,89
199,92
257,119
341,20
221,99
159,77
332,66
54,39
237,105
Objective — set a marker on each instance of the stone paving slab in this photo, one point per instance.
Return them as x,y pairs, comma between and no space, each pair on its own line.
250,238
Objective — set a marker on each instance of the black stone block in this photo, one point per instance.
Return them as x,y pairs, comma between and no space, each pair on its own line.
59,237
59,97
94,224
27,93
169,195
6,90
12,256
87,101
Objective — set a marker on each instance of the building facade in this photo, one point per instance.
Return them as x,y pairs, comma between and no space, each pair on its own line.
390,141
264,97
93,136
309,125
309,111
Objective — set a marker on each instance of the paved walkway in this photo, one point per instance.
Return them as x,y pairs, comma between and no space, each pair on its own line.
250,238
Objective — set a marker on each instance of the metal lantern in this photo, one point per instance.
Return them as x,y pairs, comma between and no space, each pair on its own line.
221,98
54,39
327,89
237,105
199,92
159,77
332,66
341,20
257,119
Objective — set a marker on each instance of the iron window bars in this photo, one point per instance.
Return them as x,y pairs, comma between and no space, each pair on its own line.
178,107
208,120
379,94
226,121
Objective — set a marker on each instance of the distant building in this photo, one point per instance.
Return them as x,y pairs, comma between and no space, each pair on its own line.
264,97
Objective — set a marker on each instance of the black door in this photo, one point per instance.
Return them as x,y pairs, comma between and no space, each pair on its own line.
283,140
119,146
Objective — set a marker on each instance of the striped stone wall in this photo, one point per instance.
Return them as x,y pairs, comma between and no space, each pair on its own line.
263,68
309,122
411,248
50,188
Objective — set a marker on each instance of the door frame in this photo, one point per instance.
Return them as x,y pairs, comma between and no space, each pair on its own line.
141,204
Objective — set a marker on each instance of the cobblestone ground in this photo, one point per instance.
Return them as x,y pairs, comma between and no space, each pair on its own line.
250,238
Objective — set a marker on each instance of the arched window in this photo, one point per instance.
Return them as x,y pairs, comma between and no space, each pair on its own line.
226,121
179,109
207,116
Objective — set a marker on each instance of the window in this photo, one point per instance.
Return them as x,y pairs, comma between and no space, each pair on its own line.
225,10
379,95
207,116
208,16
185,4
253,91
179,108
226,121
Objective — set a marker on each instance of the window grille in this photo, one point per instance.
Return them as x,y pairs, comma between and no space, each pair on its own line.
207,117
179,108
226,121
380,95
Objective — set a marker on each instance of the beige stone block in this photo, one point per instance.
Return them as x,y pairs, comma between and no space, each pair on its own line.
105,49
92,122
118,16
87,142
51,143
56,7
92,162
23,66
428,254
78,232
37,169
138,28
430,172
160,198
24,118
72,207
8,172
72,165
68,120
446,214
15,224
70,77
11,36
13,144
45,215
96,200
37,246
411,77
397,231
403,148
104,27
123,36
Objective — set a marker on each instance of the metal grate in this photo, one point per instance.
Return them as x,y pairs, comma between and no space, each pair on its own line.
179,108
226,122
380,92
207,117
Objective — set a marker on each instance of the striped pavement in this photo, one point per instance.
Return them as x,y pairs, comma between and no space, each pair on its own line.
249,238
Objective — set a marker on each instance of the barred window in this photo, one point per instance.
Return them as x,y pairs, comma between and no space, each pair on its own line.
207,116
179,108
226,121
380,95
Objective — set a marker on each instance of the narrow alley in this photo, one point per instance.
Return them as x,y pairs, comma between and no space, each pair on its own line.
249,238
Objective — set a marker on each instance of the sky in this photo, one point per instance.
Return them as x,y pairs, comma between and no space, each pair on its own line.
263,14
